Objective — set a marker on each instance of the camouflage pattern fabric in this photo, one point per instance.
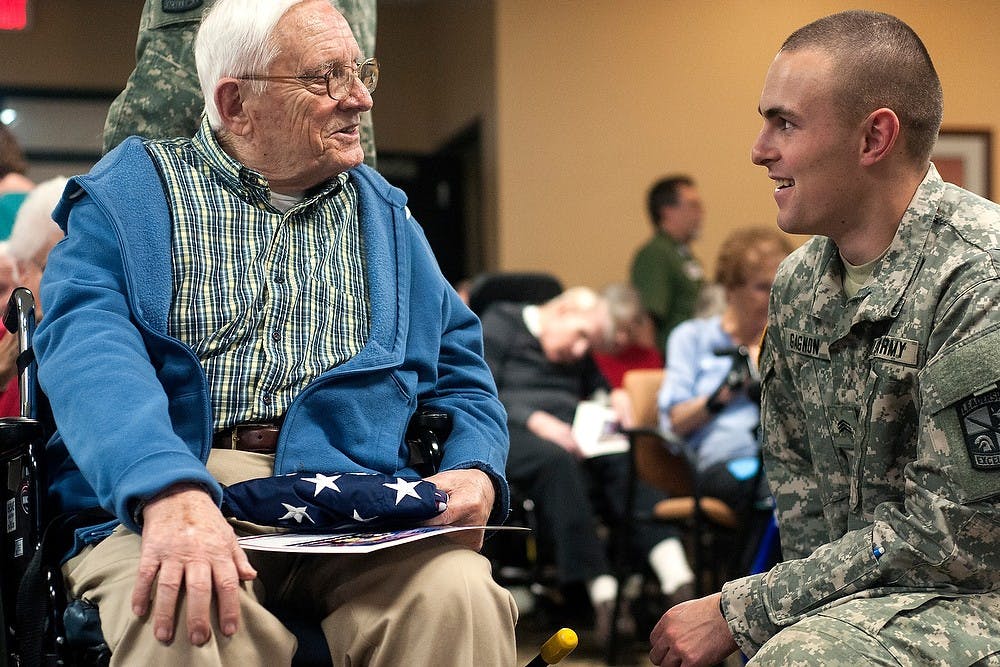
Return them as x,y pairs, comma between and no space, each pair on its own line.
881,428
162,98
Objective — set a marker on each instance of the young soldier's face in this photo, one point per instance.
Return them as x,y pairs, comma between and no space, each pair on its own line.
810,151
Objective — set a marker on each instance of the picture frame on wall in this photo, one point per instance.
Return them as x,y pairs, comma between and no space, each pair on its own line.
964,157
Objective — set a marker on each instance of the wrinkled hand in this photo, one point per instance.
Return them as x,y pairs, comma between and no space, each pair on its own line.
187,543
470,501
692,633
553,429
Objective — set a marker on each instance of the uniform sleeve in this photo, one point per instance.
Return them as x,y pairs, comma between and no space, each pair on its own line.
942,537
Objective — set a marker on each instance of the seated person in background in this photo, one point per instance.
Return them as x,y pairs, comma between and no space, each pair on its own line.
634,342
708,396
246,303
540,359
14,185
23,259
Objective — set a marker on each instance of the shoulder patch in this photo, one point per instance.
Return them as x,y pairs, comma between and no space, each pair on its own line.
980,420
176,6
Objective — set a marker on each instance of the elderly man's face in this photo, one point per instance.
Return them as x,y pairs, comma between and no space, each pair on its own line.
300,137
569,337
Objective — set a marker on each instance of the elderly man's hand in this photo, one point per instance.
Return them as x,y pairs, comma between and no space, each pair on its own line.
551,428
692,633
187,543
470,501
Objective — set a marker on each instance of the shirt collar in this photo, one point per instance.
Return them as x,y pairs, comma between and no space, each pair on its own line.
249,181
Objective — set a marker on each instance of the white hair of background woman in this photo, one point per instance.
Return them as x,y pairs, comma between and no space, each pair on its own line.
34,231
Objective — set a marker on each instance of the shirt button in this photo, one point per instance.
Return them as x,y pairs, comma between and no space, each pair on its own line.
266,400
275,335
280,279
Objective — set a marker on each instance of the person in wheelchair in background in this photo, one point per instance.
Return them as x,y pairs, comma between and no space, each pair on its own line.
710,397
251,302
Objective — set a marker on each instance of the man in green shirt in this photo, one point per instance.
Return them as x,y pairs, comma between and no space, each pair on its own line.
664,272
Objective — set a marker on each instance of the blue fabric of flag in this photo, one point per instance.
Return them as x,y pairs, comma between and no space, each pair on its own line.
307,501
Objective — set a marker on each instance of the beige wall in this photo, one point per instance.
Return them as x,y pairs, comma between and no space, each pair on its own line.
72,44
583,102
597,99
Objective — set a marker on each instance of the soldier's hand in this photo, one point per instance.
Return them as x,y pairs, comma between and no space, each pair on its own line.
692,633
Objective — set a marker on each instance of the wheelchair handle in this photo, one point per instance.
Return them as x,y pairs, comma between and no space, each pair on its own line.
19,319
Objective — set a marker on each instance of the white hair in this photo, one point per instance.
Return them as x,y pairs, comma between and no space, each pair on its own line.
34,231
235,39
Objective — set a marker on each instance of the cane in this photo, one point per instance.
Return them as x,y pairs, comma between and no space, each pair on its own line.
557,647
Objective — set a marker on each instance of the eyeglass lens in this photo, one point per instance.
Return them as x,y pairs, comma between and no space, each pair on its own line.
340,79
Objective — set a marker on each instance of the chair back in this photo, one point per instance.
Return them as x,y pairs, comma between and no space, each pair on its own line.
516,287
655,463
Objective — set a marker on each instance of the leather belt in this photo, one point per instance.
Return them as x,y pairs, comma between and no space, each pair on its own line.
257,438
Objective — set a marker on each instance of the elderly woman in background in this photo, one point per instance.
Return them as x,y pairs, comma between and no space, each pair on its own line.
710,393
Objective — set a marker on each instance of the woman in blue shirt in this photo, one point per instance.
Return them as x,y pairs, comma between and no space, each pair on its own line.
710,395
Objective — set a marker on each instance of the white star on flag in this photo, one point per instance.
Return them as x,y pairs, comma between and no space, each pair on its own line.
323,482
296,513
404,488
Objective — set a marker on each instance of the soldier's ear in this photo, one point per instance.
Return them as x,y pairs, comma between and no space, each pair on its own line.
229,102
881,130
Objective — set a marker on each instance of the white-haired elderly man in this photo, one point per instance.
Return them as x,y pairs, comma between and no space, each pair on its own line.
250,302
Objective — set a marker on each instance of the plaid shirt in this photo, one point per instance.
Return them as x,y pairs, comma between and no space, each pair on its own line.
267,300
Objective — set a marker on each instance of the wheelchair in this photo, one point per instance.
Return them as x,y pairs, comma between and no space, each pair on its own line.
42,627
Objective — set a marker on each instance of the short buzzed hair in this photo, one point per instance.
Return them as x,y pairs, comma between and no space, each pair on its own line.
665,192
881,63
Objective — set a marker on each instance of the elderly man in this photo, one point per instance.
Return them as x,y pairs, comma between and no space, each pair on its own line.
540,357
252,302
880,376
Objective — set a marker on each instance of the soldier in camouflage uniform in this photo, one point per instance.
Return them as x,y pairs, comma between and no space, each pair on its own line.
162,98
881,367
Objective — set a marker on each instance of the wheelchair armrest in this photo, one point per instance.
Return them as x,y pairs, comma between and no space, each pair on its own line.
15,435
425,436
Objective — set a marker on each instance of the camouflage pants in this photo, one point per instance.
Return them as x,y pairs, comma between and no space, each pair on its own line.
899,630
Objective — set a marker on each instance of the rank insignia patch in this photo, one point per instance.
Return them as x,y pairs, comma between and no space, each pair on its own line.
980,420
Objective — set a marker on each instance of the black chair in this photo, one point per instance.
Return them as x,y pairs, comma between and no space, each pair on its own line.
516,287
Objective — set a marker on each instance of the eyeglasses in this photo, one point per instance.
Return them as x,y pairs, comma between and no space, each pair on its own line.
339,79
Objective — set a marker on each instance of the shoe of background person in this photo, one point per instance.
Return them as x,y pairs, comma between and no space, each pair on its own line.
603,611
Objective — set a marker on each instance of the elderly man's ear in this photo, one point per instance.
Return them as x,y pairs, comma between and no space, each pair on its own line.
229,101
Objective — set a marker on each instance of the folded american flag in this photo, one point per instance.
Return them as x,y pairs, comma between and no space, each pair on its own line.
313,501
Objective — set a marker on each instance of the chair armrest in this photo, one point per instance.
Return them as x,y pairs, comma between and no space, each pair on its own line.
15,435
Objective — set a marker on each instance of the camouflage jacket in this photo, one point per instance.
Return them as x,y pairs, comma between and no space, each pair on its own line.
881,420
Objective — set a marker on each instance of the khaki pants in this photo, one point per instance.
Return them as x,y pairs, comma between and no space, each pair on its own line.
426,603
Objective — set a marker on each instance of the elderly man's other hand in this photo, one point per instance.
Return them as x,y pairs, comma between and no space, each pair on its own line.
470,501
551,428
187,543
692,633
